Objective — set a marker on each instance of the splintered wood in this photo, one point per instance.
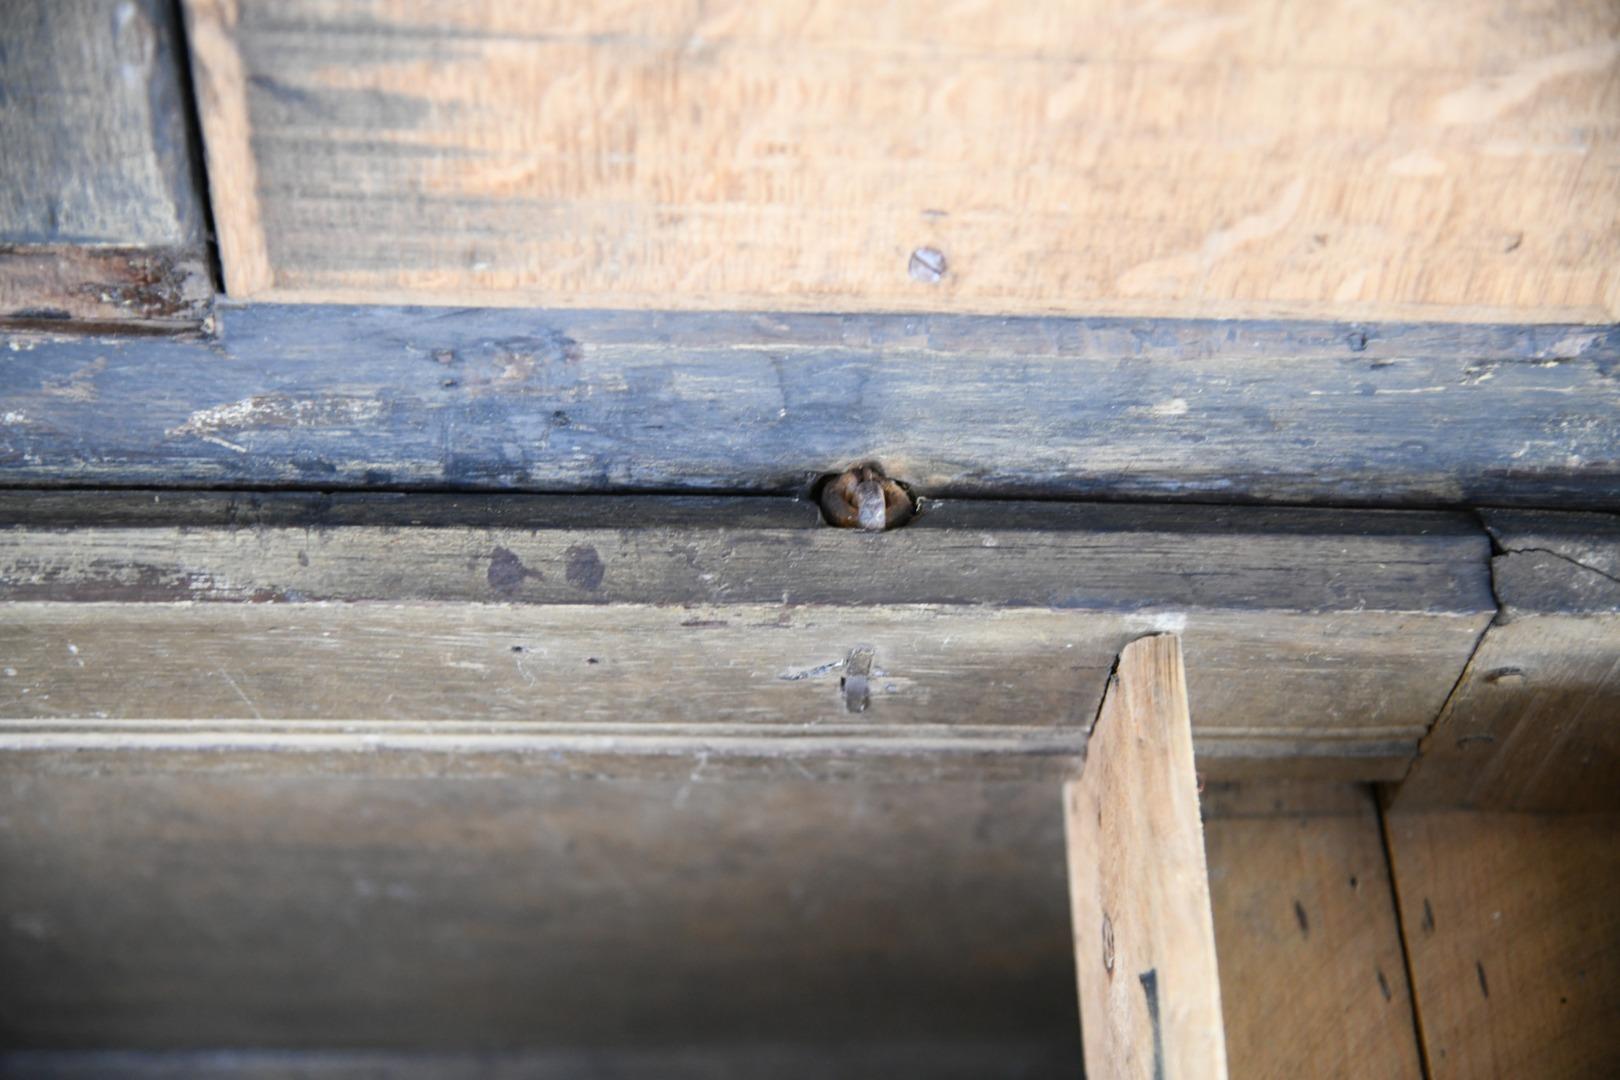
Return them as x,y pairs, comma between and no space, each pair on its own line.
1224,157
1150,1000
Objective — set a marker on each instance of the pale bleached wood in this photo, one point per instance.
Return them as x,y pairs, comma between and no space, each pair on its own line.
1514,937
1144,938
1313,983
233,172
1225,157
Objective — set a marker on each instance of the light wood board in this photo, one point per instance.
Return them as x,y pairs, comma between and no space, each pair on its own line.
1313,981
1514,937
1227,158
1144,939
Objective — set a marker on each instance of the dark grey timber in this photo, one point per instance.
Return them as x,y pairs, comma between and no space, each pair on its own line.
1534,723
94,138
730,550
581,401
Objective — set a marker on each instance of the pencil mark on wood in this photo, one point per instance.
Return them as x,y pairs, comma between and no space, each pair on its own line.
1150,988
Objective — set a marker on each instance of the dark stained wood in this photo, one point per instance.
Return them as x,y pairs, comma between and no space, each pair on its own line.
1514,938
1534,724
569,401
181,910
547,616
84,289
933,1059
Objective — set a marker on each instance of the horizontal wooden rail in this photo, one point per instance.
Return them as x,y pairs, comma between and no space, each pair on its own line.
568,401
210,622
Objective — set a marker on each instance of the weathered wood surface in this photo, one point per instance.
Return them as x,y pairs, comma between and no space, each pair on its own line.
1237,159
101,224
1313,981
93,124
1144,939
579,401
173,911
935,1059
1535,722
113,290
985,621
1514,938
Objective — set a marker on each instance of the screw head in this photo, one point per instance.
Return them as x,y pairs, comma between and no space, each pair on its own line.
927,265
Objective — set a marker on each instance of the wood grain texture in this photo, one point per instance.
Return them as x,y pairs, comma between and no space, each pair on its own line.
582,401
1534,723
228,140
1514,938
116,290
1234,158
92,119
1313,982
985,620
189,911
1144,939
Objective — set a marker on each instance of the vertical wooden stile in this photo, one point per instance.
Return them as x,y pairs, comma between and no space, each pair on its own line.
1150,1001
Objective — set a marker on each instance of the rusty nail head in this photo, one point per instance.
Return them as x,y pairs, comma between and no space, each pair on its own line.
863,498
927,265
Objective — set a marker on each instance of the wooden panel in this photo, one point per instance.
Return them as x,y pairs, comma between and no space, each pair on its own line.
100,220
1313,981
93,123
552,616
1144,941
1535,722
1514,937
572,401
1234,158
177,910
